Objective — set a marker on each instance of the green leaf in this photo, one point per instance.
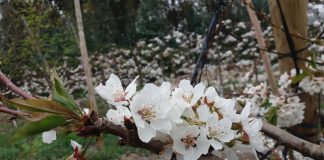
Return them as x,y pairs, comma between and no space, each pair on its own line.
61,95
40,105
40,126
298,78
313,60
266,104
271,115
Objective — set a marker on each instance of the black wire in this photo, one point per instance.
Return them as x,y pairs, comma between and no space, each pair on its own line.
208,38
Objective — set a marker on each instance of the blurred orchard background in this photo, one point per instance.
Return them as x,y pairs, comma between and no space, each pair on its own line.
156,39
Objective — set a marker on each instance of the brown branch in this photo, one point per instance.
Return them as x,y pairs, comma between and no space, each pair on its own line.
306,148
128,136
13,87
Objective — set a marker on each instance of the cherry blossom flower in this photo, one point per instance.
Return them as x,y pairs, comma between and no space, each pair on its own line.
190,141
117,116
219,131
312,85
226,108
251,128
113,91
290,113
49,136
210,95
150,109
199,118
187,95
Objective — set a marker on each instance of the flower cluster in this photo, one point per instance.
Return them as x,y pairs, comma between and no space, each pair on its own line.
284,110
290,111
312,85
192,118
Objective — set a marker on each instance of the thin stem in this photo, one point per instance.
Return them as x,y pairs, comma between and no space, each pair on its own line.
13,87
9,111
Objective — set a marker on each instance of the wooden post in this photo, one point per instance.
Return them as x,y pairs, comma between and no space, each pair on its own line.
262,45
84,56
295,13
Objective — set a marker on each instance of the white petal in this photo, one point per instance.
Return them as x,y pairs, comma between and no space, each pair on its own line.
117,116
185,85
75,144
202,143
203,113
131,89
49,136
179,146
175,114
193,130
215,144
162,108
103,91
146,134
112,91
246,111
163,125
189,113
211,94
227,133
212,120
192,154
165,89
245,114
198,93
256,124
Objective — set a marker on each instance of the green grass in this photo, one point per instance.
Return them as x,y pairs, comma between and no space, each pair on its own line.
33,148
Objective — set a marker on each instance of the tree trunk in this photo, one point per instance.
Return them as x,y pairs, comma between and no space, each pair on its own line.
295,13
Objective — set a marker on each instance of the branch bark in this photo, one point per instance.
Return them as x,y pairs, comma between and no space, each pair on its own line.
305,147
13,87
128,136
84,56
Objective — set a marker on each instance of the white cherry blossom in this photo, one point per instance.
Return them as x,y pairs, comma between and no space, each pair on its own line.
49,136
117,116
252,127
190,141
189,119
200,118
210,95
226,107
219,131
187,95
113,91
150,109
